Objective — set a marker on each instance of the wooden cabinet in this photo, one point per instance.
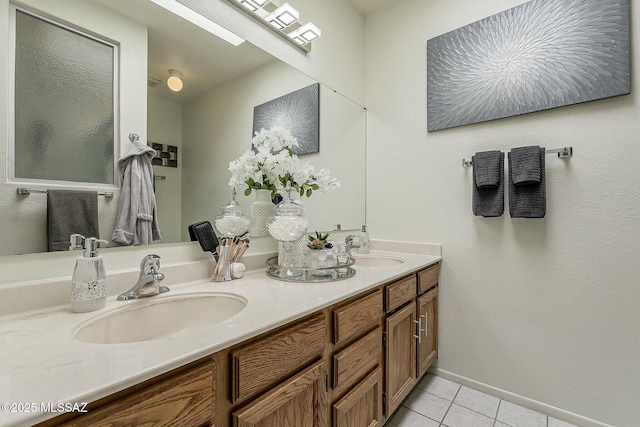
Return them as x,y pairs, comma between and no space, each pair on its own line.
411,332
400,356
347,365
362,406
263,362
398,293
301,401
427,306
356,317
355,361
185,399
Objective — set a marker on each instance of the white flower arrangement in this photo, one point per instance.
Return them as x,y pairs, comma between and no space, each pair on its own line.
273,166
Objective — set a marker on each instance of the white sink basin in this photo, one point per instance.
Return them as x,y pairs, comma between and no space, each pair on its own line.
159,316
376,260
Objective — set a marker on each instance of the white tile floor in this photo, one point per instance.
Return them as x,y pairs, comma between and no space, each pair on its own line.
437,402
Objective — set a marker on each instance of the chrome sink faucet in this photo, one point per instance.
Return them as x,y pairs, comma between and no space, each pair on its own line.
349,243
148,283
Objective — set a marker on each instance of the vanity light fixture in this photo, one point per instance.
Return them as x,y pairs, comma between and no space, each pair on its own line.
282,20
283,16
254,5
305,33
175,81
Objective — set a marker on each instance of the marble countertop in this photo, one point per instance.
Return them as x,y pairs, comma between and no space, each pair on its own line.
41,362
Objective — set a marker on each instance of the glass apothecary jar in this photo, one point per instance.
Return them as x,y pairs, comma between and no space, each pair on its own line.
232,221
287,226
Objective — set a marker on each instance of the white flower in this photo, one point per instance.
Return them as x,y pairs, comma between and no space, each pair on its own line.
271,165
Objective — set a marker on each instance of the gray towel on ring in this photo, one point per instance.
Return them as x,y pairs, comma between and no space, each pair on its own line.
487,168
528,201
489,201
525,164
70,212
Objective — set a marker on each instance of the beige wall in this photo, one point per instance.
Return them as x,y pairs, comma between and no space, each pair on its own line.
546,309
336,59
164,126
217,130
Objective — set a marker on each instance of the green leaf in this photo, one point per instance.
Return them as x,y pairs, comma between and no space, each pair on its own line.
309,193
247,191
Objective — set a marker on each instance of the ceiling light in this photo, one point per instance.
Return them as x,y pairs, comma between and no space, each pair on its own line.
283,16
305,33
175,81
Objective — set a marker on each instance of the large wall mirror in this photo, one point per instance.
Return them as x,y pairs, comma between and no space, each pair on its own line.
210,122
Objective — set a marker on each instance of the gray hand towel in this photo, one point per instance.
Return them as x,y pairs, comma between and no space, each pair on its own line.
528,201
70,212
525,164
489,201
487,168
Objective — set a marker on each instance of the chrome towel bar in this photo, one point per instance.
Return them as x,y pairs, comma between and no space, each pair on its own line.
562,153
24,191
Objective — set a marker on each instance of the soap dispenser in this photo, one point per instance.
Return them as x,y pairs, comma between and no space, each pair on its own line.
89,280
364,241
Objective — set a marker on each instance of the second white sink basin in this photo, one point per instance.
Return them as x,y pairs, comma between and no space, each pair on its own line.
376,260
161,317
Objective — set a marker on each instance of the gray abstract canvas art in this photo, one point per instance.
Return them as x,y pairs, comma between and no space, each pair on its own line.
297,111
539,55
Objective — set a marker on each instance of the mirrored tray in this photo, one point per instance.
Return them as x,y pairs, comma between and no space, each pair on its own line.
308,274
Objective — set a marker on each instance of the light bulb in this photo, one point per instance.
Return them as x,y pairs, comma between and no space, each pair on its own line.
175,82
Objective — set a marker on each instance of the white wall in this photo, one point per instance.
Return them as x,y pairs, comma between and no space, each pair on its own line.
548,309
164,126
223,119
339,63
336,59
23,224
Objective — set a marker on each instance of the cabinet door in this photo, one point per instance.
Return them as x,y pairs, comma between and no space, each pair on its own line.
362,406
300,401
400,352
428,342
183,400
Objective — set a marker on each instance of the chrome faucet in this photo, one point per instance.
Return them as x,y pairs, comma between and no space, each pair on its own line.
148,283
349,243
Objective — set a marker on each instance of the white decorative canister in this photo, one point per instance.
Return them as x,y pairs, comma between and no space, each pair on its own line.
320,258
261,209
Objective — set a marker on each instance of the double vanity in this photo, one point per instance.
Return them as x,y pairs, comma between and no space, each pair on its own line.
244,353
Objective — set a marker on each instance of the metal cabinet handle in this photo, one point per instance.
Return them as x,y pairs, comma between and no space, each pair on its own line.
426,325
419,336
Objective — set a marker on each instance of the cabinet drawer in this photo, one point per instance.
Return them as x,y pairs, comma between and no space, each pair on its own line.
300,401
266,361
183,400
356,317
428,278
355,361
400,292
362,406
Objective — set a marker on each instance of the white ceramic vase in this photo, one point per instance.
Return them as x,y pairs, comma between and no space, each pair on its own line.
261,209
319,258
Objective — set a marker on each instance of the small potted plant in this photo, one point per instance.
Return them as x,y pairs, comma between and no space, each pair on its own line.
320,254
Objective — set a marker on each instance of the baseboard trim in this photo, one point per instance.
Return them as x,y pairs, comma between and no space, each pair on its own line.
558,413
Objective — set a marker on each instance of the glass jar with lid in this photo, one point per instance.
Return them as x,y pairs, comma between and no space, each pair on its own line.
233,221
